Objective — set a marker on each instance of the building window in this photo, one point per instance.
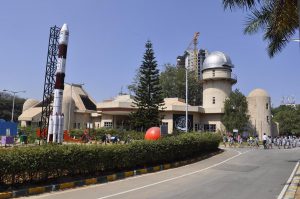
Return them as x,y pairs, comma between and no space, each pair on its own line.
209,127
214,100
78,125
98,125
212,128
268,119
200,127
164,128
213,73
74,125
108,124
267,106
196,127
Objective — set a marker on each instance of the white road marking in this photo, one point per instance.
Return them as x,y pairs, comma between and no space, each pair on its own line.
175,178
288,182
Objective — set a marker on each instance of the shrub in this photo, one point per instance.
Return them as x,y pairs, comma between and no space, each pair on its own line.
39,163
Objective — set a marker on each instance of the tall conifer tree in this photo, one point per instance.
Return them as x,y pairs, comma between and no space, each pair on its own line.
148,95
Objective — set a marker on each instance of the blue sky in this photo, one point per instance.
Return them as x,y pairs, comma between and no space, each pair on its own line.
107,39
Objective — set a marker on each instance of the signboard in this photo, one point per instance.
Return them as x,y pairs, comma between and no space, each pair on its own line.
179,122
235,130
8,128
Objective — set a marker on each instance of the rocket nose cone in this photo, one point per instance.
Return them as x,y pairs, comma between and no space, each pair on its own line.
64,27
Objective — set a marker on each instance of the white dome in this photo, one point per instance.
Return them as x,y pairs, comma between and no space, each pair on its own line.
217,59
29,103
258,92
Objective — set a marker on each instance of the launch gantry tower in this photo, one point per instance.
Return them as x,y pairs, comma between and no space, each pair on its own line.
49,80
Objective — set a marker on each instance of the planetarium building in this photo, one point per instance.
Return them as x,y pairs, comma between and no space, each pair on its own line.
217,81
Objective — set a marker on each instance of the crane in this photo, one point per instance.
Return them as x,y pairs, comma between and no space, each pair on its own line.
193,47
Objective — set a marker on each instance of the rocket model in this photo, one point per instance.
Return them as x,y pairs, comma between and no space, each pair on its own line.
56,120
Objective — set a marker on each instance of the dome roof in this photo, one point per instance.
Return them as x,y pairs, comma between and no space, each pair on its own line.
29,103
258,92
217,59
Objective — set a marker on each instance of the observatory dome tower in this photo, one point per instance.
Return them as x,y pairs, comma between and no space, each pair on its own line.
217,80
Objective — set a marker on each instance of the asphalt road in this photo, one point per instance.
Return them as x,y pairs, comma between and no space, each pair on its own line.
234,174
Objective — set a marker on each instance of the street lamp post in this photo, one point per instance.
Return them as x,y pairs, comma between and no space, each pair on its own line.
186,89
186,99
14,96
186,94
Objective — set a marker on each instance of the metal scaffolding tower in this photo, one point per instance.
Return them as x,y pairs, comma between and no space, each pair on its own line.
49,80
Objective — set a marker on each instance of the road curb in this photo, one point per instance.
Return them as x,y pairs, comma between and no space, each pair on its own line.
101,179
294,185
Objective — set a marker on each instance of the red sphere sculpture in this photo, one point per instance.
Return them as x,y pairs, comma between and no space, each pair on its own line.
153,133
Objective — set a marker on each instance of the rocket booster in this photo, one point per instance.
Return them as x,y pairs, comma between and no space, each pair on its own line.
56,120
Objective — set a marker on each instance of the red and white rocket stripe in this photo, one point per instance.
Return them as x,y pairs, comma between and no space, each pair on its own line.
56,120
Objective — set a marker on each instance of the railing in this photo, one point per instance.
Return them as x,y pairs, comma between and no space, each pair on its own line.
218,75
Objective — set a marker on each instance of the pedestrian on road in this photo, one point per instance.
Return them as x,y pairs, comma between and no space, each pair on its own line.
279,142
269,141
256,142
264,138
284,142
224,140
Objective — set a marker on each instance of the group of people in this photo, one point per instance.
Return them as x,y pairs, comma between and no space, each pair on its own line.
268,142
286,142
107,138
235,140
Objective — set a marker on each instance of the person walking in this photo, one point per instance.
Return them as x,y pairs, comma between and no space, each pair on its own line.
264,138
279,142
284,142
256,142
270,142
224,140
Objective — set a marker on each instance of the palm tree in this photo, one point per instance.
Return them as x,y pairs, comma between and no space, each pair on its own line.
279,19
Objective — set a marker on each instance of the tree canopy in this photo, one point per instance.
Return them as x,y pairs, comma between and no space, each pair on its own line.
278,20
288,118
6,101
236,112
172,81
148,94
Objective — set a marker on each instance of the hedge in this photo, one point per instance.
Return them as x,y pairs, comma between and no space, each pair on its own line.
41,163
